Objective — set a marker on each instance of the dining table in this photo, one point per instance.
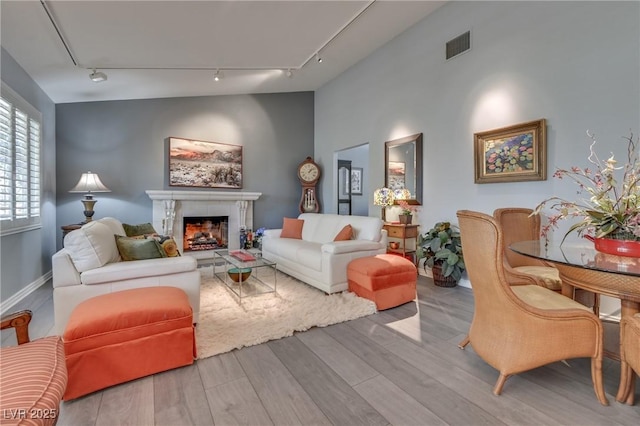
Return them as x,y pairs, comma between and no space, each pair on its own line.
581,266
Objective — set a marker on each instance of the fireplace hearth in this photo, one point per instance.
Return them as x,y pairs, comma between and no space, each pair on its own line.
205,233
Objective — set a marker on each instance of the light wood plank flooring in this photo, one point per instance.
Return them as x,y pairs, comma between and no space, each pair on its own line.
398,367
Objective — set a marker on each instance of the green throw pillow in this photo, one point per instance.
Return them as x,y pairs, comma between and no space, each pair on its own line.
139,249
142,229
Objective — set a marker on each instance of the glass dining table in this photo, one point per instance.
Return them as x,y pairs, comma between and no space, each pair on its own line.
581,266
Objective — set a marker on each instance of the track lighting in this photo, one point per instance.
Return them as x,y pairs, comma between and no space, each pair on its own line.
318,58
218,75
289,73
98,76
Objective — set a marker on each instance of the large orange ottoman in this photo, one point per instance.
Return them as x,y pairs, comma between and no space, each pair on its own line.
386,279
121,336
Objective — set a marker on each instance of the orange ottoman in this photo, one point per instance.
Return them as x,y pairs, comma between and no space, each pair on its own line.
386,279
121,336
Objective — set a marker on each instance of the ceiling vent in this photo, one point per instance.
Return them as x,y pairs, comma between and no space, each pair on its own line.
458,45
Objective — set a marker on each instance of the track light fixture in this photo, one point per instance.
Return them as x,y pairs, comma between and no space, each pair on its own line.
218,75
289,73
318,58
98,76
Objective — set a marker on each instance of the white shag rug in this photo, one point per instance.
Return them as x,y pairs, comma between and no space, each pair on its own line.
225,325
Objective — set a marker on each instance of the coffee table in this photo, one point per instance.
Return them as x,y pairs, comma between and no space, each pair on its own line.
254,285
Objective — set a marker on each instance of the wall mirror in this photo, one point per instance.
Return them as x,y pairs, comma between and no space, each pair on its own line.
403,166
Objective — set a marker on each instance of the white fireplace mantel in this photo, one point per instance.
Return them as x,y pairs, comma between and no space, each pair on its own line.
236,205
203,195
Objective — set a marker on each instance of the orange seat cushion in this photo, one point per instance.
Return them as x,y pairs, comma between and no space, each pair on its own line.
386,279
128,334
33,377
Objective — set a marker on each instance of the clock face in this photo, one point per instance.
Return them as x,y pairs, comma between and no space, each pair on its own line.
309,172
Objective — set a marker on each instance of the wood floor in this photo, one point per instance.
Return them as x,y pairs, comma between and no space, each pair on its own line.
397,367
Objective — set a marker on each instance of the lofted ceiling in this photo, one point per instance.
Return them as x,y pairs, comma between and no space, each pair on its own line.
157,49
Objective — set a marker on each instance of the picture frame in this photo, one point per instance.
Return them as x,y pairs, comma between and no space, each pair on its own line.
396,174
515,153
203,164
356,181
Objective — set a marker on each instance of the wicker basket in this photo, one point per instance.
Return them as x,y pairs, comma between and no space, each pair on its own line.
439,279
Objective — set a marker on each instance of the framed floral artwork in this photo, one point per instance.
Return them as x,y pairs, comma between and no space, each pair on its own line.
204,164
511,154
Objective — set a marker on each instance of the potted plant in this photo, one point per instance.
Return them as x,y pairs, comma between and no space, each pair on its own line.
406,215
609,214
442,249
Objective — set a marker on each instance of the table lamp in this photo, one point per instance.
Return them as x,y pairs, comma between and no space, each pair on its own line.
383,197
402,194
89,183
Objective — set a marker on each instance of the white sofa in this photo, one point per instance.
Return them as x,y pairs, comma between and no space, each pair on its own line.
90,265
316,259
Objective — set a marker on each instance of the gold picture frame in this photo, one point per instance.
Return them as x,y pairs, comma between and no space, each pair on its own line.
511,154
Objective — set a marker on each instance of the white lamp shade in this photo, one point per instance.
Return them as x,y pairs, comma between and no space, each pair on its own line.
88,183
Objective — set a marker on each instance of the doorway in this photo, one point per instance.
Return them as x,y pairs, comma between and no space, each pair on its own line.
360,190
344,187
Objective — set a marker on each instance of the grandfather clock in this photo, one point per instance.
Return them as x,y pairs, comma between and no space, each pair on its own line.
309,175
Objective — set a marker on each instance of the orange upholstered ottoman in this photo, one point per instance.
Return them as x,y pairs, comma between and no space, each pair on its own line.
121,336
386,279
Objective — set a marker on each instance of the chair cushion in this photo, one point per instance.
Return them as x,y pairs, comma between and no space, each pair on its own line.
547,274
542,298
33,378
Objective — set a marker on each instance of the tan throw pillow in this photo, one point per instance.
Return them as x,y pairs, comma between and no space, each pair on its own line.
139,249
168,244
292,228
345,234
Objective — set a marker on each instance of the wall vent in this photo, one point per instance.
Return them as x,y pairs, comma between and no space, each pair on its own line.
460,44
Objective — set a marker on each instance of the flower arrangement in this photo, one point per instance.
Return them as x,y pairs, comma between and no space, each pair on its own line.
407,209
612,209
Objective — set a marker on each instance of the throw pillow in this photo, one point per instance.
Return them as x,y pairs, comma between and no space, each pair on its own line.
292,228
141,229
168,244
345,234
139,249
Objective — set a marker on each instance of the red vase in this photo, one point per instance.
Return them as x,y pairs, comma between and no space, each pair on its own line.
627,248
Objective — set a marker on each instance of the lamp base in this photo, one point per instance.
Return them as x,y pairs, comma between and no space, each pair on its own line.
88,203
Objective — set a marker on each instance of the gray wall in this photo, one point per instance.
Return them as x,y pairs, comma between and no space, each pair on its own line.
124,142
577,64
25,258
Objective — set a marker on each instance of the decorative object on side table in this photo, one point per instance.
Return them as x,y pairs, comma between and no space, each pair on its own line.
89,183
383,197
441,247
406,215
610,216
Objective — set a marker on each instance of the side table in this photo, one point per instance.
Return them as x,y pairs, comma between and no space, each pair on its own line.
408,236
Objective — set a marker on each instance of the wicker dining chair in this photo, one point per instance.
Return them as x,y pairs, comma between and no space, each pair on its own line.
518,328
519,225
629,357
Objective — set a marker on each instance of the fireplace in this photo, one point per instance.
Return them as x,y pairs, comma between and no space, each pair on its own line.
171,207
205,232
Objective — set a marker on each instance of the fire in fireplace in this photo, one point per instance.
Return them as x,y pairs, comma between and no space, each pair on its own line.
205,233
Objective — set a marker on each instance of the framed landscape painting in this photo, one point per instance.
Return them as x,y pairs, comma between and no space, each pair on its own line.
204,164
511,154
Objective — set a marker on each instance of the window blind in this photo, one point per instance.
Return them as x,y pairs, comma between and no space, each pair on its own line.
20,178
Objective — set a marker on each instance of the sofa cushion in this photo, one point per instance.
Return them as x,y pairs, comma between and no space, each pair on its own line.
114,224
292,228
345,234
126,271
322,227
91,246
141,229
139,249
305,253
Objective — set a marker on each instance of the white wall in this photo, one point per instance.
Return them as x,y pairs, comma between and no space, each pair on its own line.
576,64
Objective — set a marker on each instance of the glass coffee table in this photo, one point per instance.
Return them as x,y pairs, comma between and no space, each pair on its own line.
245,277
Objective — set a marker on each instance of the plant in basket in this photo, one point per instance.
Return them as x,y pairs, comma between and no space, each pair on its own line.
441,247
610,206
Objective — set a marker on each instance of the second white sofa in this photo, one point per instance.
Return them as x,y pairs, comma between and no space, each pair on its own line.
318,260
